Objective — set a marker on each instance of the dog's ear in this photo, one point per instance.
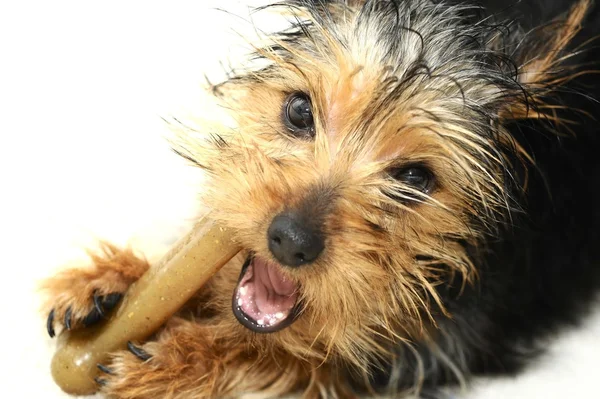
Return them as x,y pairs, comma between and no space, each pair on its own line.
543,58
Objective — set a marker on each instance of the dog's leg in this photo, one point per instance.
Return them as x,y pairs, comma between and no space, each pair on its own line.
80,297
189,359
192,359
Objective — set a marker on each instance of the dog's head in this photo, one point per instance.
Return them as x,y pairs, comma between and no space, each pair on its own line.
367,157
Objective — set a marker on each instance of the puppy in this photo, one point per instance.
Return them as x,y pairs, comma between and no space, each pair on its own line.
414,186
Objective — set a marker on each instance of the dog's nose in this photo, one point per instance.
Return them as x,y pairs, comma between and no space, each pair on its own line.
292,241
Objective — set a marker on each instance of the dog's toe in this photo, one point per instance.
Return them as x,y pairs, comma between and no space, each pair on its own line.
100,381
105,369
111,300
68,318
50,324
138,352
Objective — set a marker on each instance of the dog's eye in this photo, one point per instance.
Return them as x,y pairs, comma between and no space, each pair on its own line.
298,115
418,177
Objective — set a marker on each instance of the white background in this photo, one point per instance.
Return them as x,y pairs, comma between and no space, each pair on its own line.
82,156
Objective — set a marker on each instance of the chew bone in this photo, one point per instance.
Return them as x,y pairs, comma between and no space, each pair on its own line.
155,297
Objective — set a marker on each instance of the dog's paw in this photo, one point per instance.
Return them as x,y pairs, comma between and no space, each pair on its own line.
177,365
123,362
81,313
79,298
135,373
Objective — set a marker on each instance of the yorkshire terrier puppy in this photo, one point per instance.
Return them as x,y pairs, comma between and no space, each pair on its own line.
415,186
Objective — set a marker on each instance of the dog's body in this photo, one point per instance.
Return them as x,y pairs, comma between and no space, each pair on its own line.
439,166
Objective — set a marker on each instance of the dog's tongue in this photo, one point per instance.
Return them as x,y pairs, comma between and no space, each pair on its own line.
265,295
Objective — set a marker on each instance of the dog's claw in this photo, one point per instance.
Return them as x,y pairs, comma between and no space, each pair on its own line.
110,301
139,352
67,320
100,381
92,318
98,304
50,324
104,369
102,303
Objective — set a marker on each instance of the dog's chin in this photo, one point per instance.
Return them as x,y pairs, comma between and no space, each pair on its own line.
264,300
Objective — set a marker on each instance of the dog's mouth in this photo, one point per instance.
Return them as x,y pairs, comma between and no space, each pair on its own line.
264,300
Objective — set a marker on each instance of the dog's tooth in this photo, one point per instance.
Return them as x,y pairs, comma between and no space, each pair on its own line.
243,290
240,302
279,315
260,322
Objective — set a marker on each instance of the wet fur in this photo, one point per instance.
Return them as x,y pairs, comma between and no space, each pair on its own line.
408,296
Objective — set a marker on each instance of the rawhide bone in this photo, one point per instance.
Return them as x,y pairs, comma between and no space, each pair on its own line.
147,305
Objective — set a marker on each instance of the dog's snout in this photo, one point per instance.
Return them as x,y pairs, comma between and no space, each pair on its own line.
292,241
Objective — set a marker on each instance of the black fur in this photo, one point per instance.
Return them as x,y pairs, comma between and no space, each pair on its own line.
542,272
